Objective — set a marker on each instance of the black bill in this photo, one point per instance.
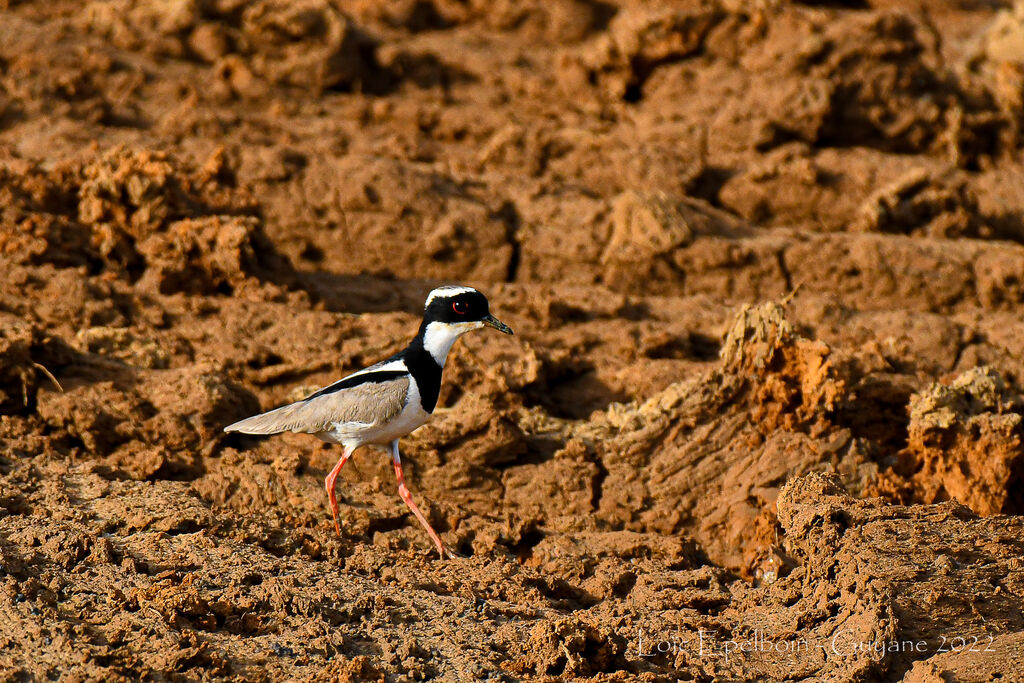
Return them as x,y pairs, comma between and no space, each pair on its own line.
491,321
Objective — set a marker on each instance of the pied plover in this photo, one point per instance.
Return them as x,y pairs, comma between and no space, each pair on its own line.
384,402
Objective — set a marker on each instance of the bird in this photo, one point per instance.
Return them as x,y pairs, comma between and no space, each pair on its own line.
380,404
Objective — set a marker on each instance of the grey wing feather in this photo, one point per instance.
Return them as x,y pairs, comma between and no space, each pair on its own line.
368,404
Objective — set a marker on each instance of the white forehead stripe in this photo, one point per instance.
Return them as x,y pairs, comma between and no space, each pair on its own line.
446,291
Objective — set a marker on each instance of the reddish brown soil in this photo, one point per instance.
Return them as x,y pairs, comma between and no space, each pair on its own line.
676,470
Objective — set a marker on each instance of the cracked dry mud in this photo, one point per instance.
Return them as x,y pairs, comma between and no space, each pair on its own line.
677,470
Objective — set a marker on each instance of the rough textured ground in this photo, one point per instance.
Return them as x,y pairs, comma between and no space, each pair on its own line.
677,470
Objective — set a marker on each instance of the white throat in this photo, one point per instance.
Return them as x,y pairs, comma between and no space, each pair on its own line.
439,337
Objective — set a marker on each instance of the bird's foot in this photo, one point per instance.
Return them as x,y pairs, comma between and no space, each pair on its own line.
447,552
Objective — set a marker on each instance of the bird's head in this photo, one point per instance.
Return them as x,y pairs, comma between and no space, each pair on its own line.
450,312
460,308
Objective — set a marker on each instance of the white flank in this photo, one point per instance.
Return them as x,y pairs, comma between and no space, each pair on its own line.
387,367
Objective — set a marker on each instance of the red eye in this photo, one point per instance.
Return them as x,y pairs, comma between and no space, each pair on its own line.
460,307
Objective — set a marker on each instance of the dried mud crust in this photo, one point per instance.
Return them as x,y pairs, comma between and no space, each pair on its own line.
211,208
117,558
135,213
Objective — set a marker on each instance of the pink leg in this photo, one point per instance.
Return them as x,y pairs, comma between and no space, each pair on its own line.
403,491
329,484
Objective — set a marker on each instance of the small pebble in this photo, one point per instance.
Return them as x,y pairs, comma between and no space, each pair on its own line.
283,651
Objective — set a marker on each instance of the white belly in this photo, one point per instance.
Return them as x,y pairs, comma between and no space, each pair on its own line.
356,434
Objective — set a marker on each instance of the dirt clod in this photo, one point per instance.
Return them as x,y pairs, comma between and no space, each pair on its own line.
965,442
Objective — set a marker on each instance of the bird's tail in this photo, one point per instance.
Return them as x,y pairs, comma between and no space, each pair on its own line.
271,422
